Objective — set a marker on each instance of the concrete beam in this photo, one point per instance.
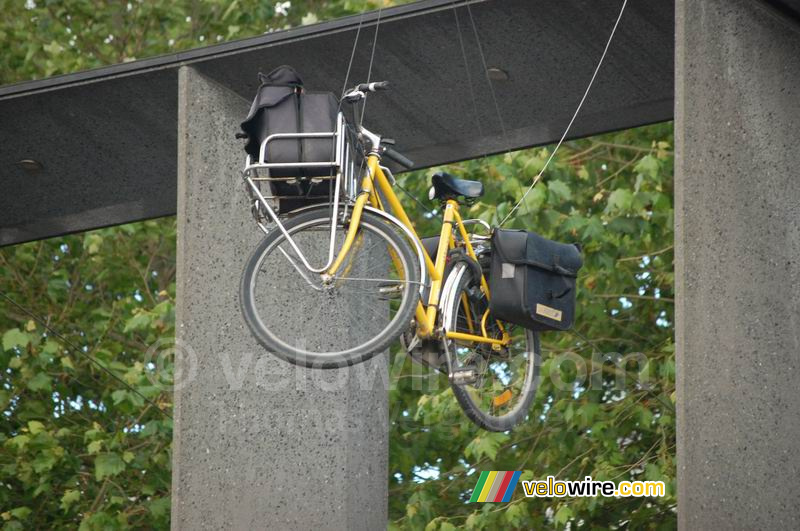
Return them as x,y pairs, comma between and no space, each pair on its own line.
258,442
737,265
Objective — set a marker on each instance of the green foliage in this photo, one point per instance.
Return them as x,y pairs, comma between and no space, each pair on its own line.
78,449
42,38
75,446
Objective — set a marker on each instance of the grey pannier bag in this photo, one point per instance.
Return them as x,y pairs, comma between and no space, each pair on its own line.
532,280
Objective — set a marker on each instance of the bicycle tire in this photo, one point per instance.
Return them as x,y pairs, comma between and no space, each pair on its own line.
472,410
332,359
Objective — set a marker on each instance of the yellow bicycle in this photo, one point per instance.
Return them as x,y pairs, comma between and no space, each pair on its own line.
369,279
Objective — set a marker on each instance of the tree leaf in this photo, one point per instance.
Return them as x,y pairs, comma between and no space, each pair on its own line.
486,444
20,441
15,338
34,426
560,190
21,513
648,165
44,461
619,200
119,395
70,496
94,447
563,515
51,347
535,198
140,321
108,464
53,48
40,382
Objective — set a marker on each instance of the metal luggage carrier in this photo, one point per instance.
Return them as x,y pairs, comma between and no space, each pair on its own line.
342,178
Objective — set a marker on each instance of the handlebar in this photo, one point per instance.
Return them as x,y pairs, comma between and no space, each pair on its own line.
375,86
399,158
359,92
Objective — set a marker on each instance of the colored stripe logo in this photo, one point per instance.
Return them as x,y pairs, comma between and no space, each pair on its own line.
495,486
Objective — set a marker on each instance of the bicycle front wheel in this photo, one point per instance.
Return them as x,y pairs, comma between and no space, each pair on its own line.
345,320
505,380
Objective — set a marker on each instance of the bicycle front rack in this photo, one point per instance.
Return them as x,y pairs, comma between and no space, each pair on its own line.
341,179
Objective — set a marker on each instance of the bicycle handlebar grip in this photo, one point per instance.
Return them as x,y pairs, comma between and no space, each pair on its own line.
399,158
375,86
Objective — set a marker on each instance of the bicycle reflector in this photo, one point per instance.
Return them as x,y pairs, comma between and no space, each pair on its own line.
502,398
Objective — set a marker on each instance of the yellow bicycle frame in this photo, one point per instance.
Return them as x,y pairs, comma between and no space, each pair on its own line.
425,314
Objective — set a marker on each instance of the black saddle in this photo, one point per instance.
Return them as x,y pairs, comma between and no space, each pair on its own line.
445,186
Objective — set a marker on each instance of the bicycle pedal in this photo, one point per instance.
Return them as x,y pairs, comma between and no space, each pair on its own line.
464,376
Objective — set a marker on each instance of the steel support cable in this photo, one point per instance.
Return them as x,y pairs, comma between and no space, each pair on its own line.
572,120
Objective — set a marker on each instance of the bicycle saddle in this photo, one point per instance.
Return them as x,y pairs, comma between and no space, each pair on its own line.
445,186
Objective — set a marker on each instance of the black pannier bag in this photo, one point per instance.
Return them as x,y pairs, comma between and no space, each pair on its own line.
282,105
532,280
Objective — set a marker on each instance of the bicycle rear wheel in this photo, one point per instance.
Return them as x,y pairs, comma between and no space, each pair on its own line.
347,320
505,380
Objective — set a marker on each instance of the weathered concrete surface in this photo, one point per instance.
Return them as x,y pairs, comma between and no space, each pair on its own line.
737,187
258,443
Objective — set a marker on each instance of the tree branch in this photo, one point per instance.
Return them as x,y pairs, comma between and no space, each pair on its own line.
654,253
631,296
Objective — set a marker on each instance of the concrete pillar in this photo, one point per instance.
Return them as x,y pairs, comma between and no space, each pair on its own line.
258,443
737,268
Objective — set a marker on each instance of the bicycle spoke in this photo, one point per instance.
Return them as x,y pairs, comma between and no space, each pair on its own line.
375,266
384,280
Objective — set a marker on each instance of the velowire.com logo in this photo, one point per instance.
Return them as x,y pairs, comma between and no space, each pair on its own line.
499,487
495,486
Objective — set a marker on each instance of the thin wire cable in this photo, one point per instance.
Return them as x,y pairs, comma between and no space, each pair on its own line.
466,70
469,77
415,198
352,55
488,79
374,44
77,349
575,115
371,61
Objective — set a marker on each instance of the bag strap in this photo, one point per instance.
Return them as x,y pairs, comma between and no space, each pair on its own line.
555,268
266,82
552,295
562,270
